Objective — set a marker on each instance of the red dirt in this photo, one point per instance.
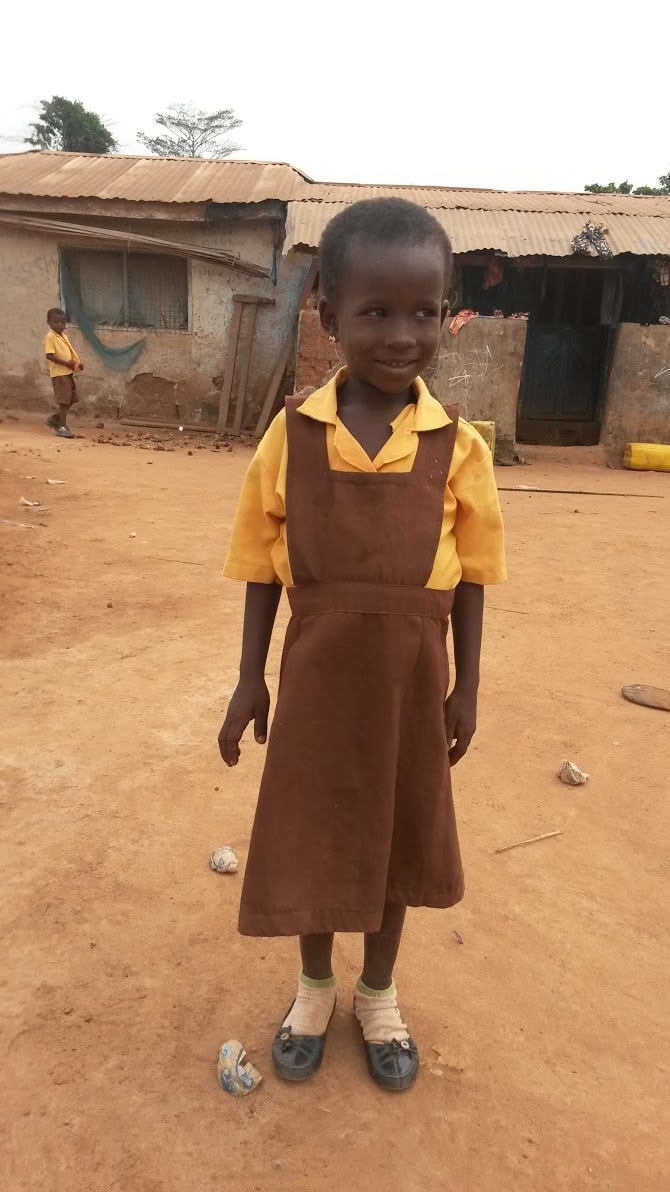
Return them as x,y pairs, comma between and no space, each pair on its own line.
542,1033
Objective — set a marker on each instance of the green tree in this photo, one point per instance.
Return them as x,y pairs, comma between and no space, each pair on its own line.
190,132
66,124
610,188
626,188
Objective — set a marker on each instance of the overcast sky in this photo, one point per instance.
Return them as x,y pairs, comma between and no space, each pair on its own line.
505,95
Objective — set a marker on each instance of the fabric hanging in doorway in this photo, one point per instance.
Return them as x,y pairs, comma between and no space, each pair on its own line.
611,299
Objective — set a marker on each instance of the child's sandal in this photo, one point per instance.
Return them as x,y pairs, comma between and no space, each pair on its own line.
297,1057
394,1065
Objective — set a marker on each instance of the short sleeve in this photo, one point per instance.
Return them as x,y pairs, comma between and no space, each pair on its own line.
478,527
49,345
260,513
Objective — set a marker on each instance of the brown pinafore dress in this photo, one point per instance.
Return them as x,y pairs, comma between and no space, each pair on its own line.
355,806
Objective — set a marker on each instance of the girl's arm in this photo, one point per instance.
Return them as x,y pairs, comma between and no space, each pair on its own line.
460,713
251,698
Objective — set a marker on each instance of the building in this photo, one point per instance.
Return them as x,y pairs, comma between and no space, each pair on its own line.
148,254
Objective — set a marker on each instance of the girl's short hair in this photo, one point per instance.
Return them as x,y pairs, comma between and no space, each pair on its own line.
381,221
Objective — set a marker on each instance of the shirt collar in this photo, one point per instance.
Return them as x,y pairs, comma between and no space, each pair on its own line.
428,414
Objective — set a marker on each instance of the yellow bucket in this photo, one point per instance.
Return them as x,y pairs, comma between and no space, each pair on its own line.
488,432
647,457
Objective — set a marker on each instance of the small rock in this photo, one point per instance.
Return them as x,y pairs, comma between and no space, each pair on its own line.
100,425
571,774
109,604
133,535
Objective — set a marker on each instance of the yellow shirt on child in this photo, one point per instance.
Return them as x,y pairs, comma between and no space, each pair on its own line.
471,545
56,344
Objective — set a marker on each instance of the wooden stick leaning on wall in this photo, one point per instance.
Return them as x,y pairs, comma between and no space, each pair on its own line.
239,302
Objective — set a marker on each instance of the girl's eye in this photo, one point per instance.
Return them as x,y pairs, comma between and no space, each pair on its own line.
427,313
376,312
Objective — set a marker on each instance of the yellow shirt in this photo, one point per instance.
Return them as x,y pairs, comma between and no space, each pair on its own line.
471,544
59,345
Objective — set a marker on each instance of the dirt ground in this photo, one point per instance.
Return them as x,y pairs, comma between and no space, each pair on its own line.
541,1023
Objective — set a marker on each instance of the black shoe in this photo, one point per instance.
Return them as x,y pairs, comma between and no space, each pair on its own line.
53,421
297,1057
393,1065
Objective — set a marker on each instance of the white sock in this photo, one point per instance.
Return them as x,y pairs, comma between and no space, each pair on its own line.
378,1013
313,1007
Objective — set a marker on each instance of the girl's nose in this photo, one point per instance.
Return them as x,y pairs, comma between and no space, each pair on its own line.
400,335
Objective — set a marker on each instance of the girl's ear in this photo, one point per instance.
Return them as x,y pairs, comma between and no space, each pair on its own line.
327,316
444,311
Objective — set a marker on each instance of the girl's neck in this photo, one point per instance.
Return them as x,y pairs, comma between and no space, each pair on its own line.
355,394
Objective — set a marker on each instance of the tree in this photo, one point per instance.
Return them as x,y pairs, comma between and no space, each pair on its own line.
626,188
611,188
190,132
66,124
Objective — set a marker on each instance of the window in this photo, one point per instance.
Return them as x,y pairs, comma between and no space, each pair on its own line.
123,289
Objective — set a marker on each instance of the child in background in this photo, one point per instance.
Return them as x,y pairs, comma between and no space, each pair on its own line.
377,509
63,364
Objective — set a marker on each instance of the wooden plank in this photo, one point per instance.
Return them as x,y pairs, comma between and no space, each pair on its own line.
246,342
229,367
280,366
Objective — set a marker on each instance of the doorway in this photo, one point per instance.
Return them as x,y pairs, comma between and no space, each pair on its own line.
565,360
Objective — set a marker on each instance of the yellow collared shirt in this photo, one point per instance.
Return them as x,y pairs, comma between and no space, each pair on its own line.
471,545
56,344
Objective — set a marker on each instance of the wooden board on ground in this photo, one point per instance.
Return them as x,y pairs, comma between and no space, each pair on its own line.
649,697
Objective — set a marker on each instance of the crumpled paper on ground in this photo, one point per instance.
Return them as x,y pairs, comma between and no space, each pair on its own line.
223,860
236,1077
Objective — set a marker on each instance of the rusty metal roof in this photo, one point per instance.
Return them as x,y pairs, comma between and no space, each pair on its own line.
519,223
147,179
515,233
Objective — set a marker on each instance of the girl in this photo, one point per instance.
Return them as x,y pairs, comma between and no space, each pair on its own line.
378,511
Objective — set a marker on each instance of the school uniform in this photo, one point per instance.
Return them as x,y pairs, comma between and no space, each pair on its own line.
62,378
355,807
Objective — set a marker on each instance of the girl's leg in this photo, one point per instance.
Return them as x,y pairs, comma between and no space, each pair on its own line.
392,1055
381,948
317,955
298,1047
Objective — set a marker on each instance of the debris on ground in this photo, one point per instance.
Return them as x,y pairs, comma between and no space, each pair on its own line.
30,504
458,937
133,535
223,860
445,1059
571,774
53,481
236,1077
531,840
648,697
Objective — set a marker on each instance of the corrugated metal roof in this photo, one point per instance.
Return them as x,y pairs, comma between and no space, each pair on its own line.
519,223
147,179
516,233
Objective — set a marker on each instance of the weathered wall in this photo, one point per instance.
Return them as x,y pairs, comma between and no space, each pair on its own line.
176,368
480,369
315,356
637,404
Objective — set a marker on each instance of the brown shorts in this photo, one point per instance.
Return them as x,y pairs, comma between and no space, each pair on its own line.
65,390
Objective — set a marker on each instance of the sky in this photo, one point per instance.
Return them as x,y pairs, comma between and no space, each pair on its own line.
508,96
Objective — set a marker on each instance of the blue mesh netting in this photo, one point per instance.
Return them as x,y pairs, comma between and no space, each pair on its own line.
120,359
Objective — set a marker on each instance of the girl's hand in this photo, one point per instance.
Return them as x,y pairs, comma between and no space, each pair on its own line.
460,721
250,701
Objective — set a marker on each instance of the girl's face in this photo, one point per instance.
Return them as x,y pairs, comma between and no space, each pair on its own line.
388,312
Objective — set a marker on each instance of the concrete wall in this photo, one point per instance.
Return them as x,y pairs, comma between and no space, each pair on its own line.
480,369
176,368
637,404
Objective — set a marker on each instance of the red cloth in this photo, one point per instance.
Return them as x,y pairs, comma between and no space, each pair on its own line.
461,319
